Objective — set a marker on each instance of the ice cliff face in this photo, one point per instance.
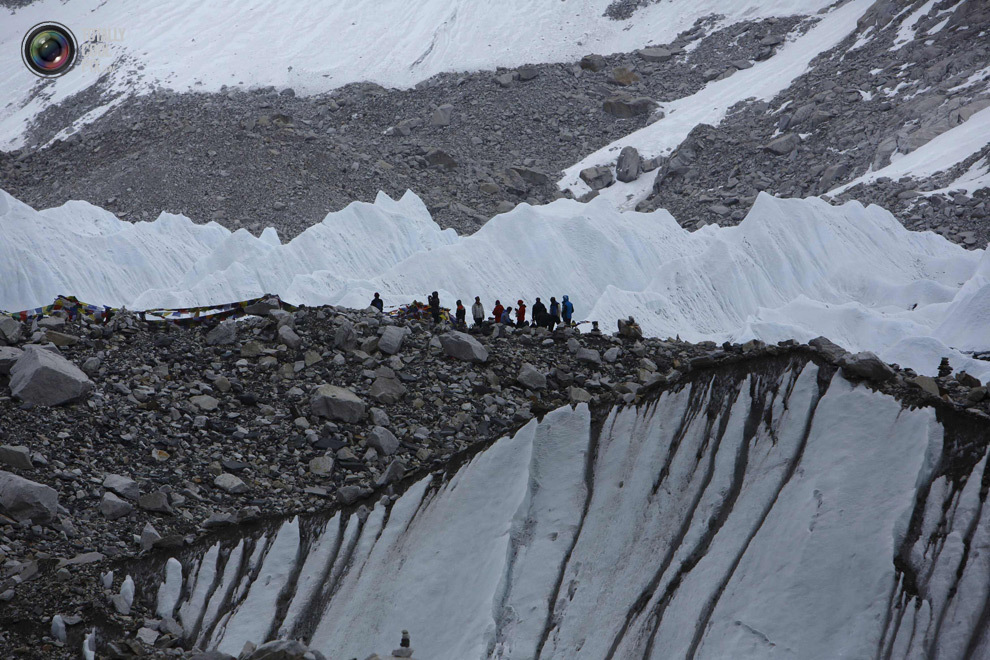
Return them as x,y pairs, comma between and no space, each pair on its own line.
771,510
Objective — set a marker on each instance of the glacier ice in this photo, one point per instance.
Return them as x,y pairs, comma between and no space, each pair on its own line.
748,515
793,269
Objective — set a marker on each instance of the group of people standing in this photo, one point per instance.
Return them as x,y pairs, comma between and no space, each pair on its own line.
541,316
559,313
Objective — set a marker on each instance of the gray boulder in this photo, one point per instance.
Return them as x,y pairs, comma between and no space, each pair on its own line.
531,377
383,441
628,164
8,357
18,457
23,499
391,340
156,501
230,483
832,351
321,465
288,336
578,395
784,145
345,337
654,54
112,507
527,73
588,355
223,334
441,116
337,403
11,330
395,471
123,486
386,390
869,366
597,177
44,378
463,346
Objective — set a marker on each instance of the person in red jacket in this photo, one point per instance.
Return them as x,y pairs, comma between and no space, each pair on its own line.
498,311
520,314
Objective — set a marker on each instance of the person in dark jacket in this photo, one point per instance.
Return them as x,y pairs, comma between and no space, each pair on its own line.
507,316
520,314
553,317
478,311
539,314
497,312
460,315
377,303
567,310
435,307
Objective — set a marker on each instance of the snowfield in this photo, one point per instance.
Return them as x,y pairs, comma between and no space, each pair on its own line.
793,269
682,529
318,46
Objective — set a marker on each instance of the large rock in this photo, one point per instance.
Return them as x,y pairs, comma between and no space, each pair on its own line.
123,486
588,355
23,499
345,337
597,177
230,483
386,390
288,336
531,377
112,507
11,330
43,378
8,357
628,164
463,346
784,145
825,346
391,340
531,176
223,334
18,457
625,107
441,116
337,403
869,366
383,441
654,54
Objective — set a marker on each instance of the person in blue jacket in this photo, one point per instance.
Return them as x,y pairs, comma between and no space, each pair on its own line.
507,316
567,310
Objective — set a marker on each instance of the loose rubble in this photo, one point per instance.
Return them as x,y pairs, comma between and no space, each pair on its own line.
138,465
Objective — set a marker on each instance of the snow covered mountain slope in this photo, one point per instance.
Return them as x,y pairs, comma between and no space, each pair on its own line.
778,511
315,47
793,269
